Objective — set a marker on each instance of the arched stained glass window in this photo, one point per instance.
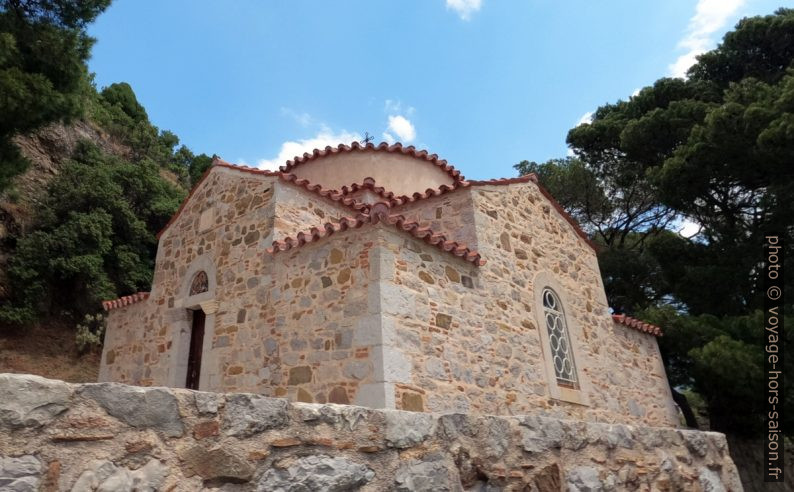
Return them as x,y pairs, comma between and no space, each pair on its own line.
199,284
559,339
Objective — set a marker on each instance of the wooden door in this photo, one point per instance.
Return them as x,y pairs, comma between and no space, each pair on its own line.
196,344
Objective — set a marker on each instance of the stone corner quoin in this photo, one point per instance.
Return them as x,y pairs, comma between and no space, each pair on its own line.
60,436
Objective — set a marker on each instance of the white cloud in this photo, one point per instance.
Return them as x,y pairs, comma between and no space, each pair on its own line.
688,228
710,16
636,92
303,119
586,118
464,8
402,127
294,148
388,138
392,106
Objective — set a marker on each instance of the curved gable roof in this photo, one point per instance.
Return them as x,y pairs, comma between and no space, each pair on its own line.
396,148
402,170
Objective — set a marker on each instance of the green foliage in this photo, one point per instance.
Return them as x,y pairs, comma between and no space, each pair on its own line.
12,163
90,333
13,195
95,236
198,166
633,277
122,96
717,149
43,49
698,405
758,48
733,395
578,188
722,360
117,110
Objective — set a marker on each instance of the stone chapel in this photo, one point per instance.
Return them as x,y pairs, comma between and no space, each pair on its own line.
377,275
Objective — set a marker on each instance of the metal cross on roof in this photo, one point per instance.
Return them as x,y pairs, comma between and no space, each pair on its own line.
367,138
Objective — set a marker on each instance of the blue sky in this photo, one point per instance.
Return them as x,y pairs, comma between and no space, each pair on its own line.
482,83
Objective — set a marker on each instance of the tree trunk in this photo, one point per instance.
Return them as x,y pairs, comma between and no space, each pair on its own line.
683,404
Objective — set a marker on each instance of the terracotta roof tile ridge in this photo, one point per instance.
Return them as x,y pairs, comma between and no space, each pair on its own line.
397,147
368,184
218,162
379,212
437,239
333,195
125,301
636,324
396,201
506,181
316,233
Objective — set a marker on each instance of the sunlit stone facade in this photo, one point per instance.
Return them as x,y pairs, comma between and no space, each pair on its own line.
379,276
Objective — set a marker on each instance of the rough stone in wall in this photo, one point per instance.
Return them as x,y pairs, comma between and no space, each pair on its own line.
109,436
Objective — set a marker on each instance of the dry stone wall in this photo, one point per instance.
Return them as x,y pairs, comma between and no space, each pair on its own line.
56,436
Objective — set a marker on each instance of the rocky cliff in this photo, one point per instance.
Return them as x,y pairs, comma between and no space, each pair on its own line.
46,149
60,436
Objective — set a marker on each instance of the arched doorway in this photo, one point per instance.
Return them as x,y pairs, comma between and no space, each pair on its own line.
196,350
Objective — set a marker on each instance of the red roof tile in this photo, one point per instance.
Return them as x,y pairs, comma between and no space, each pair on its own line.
125,301
397,200
638,325
506,181
367,184
379,212
217,161
382,147
333,195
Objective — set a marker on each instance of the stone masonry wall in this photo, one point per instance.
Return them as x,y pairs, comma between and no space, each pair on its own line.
246,212
298,210
237,210
318,295
124,359
526,240
56,436
451,214
471,334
